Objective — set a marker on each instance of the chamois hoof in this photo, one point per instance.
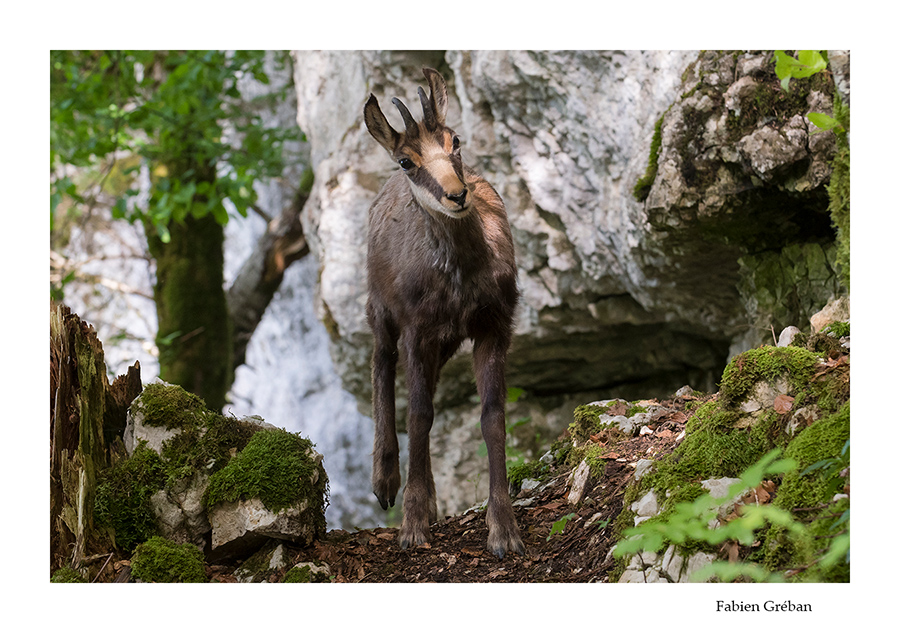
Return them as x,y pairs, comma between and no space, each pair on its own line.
385,501
413,536
499,548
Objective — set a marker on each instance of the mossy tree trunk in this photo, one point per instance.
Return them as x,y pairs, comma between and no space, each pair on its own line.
194,333
87,414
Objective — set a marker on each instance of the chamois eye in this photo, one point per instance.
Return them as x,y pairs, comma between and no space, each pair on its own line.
406,164
455,143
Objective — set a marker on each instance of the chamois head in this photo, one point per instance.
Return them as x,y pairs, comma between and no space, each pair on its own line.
427,151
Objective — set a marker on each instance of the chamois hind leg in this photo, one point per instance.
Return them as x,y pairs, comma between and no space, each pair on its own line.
419,498
490,362
386,453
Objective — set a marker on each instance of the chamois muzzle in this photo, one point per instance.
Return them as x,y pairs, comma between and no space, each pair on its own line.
459,198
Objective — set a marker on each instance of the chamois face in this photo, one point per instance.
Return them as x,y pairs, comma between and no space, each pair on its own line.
427,151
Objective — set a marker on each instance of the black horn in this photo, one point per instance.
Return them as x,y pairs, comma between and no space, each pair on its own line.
428,111
412,129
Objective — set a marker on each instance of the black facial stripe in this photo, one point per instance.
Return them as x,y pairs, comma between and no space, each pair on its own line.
423,179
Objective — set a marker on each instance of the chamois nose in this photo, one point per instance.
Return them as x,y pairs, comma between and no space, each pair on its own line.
459,198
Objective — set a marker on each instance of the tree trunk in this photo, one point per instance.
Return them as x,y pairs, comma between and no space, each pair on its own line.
194,332
87,414
260,276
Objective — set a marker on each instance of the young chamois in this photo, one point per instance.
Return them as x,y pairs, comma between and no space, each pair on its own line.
441,268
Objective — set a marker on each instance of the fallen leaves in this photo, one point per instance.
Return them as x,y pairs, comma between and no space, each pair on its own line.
783,403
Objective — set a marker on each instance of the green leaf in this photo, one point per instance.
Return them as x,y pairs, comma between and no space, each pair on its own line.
823,121
513,394
163,231
559,526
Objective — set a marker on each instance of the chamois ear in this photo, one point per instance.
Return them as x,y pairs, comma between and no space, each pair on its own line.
379,127
439,99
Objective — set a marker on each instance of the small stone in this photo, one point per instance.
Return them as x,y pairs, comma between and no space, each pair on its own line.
787,335
718,488
646,430
696,562
684,391
642,467
646,506
579,482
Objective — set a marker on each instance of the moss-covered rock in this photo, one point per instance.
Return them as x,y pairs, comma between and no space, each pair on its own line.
275,488
767,363
277,467
308,572
160,560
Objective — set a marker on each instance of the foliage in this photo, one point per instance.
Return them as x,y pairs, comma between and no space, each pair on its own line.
161,560
118,112
806,64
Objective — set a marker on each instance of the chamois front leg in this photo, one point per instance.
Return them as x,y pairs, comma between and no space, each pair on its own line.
419,497
490,363
386,453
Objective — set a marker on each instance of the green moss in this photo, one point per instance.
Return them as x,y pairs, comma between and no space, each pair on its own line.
634,410
645,183
161,560
766,363
822,440
276,467
714,446
298,574
586,422
171,407
206,448
123,496
304,573
839,191
66,574
838,329
521,471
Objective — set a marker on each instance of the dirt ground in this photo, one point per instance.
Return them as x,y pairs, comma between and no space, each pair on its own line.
457,553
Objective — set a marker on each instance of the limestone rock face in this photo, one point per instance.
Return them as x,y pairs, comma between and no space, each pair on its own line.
620,297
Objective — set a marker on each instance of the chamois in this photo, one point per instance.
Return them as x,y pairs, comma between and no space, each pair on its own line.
441,268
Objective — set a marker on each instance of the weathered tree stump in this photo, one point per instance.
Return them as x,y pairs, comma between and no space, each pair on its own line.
87,415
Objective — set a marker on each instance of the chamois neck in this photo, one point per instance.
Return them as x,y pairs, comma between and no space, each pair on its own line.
458,245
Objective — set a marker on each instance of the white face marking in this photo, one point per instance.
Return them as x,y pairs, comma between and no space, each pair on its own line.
438,165
428,202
